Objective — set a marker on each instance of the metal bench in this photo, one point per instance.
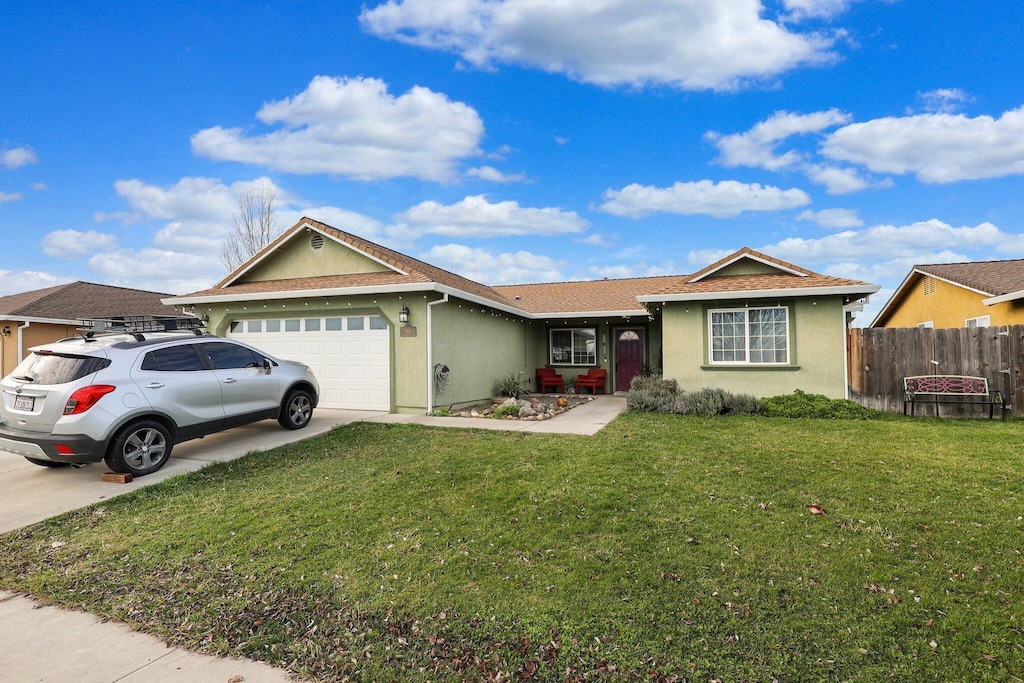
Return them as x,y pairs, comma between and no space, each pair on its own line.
952,390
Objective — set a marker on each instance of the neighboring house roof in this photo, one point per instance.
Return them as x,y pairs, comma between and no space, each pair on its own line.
624,297
997,281
77,300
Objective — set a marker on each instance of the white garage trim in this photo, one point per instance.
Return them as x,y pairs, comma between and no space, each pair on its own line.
350,355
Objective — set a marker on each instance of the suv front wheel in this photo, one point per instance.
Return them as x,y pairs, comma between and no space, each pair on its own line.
296,410
140,448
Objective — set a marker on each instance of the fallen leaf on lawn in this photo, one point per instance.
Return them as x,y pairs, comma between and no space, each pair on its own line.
238,678
816,509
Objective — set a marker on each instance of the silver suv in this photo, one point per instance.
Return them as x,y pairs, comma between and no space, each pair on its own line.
128,397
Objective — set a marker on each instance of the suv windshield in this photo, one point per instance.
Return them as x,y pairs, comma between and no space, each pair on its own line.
54,368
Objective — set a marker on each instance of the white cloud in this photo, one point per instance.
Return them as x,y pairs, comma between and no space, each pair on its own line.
937,148
639,269
599,239
74,244
165,270
17,281
700,258
724,199
687,44
10,197
493,175
353,127
943,100
832,219
842,180
476,217
800,9
17,157
39,187
756,147
494,269
889,242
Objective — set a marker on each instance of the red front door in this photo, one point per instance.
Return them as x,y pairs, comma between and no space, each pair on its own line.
629,356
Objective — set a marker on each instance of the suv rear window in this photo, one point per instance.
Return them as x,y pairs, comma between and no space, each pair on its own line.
56,368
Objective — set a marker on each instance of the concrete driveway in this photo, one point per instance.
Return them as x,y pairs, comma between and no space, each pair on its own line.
30,493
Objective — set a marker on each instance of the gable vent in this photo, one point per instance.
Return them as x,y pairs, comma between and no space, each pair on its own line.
929,285
316,241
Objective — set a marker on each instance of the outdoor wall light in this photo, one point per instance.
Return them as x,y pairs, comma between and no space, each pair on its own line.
403,314
7,331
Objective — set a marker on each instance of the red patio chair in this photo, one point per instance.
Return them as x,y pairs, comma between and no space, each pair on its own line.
594,380
547,378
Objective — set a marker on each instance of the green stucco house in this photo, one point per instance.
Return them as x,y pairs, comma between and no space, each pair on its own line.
384,331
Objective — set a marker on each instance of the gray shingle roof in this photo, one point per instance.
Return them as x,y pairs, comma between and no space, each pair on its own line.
79,300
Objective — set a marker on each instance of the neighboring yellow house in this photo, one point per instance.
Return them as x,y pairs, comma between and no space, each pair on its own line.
976,294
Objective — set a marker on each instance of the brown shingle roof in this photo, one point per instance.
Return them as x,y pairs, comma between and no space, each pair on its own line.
594,296
588,296
79,300
995,278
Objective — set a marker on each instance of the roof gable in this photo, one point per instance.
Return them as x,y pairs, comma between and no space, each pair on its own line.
746,261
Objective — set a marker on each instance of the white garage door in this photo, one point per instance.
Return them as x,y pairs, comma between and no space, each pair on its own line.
351,355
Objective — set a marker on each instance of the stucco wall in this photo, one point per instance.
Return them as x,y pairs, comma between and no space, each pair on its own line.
949,306
817,343
298,258
478,348
34,335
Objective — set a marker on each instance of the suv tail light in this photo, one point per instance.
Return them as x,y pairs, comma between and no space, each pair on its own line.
86,398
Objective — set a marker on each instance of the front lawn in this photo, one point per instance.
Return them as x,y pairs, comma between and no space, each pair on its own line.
665,548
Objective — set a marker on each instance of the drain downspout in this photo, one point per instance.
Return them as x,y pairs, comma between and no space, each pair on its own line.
21,353
430,351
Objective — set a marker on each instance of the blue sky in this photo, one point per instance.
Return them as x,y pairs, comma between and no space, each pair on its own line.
514,141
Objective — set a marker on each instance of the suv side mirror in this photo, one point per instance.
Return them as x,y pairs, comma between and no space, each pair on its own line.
267,365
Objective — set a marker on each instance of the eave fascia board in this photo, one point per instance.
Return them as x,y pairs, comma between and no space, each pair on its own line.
298,294
34,319
343,291
752,257
591,314
762,293
1003,298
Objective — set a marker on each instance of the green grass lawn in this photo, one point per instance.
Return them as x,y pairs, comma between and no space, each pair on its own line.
665,548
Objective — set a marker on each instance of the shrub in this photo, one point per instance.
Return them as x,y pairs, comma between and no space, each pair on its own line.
506,409
514,385
649,394
709,402
799,404
441,411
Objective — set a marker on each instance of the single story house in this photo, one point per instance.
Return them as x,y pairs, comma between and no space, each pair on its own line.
45,315
945,295
385,331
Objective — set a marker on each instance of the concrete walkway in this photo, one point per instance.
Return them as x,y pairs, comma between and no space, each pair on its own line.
48,644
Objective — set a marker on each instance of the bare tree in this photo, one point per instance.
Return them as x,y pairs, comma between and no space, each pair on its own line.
255,226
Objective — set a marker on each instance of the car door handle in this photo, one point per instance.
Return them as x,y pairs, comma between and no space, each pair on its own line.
230,380
154,385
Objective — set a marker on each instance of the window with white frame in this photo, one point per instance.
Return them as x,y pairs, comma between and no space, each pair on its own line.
929,324
573,346
980,321
749,336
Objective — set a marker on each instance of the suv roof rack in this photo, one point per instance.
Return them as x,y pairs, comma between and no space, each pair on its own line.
136,325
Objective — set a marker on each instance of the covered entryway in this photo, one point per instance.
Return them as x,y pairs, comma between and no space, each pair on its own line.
629,356
350,355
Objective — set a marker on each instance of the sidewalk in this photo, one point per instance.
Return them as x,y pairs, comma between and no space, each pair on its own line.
52,645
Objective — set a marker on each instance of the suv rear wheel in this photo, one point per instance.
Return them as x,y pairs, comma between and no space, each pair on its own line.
296,410
140,448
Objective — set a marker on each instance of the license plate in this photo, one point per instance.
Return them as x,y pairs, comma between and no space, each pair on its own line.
24,402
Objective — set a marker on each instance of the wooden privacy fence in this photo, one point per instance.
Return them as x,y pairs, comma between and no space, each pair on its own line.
880,358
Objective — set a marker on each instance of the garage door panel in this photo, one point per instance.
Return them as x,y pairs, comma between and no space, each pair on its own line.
352,365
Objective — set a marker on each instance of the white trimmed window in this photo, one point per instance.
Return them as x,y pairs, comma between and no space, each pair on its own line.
573,346
980,321
930,324
751,336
